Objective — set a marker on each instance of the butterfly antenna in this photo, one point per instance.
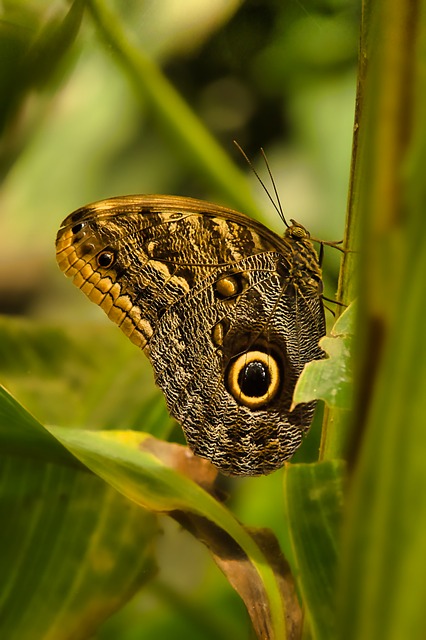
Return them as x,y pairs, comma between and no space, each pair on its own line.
277,207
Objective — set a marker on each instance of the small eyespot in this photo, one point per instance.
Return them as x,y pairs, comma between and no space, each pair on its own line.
77,227
219,332
229,285
226,287
254,378
105,259
87,247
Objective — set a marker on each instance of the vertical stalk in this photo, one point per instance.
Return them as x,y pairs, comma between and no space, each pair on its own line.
382,590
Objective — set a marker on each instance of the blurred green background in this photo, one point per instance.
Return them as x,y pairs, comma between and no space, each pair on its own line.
268,73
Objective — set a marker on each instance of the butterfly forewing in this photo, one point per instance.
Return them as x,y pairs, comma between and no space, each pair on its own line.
227,312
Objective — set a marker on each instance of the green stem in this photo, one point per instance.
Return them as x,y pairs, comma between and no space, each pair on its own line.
336,423
382,589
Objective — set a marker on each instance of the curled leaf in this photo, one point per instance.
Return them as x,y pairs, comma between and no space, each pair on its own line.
331,379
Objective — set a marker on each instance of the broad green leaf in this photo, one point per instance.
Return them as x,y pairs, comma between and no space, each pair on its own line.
84,376
331,379
133,463
72,549
141,468
49,499
21,434
313,497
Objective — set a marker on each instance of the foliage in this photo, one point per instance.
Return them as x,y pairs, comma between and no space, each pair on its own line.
95,103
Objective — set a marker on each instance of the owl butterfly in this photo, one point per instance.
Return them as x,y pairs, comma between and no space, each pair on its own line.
227,312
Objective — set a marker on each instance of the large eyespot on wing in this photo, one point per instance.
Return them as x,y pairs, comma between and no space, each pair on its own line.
254,378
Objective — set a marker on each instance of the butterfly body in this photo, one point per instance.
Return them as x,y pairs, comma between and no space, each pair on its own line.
227,312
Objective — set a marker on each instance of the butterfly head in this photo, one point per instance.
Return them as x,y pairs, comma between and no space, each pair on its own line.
296,231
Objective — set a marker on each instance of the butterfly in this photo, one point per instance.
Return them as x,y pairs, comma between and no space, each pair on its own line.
227,311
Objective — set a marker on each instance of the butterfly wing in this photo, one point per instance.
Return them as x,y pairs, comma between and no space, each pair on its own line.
227,312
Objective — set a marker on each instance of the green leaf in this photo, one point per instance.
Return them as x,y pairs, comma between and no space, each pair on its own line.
92,371
21,434
133,463
151,473
313,495
64,366
80,547
331,379
72,549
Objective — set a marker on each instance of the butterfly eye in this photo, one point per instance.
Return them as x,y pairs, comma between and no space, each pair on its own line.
105,259
254,378
297,231
77,227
